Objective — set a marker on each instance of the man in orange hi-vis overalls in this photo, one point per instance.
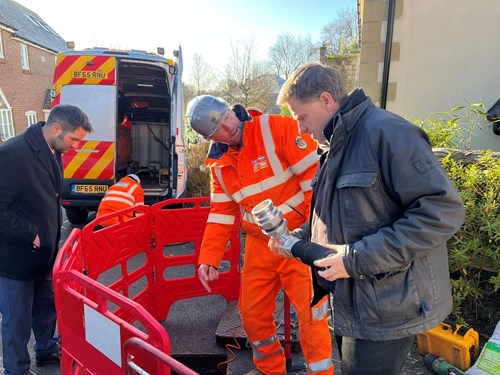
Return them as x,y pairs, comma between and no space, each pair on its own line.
125,193
251,160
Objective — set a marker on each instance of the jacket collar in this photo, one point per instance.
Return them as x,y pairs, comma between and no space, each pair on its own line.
51,161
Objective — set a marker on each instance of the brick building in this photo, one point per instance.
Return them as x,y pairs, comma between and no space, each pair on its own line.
28,49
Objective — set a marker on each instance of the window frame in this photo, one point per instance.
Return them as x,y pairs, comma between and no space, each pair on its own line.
25,61
31,115
1,45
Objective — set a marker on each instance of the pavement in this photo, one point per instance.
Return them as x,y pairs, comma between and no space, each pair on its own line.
192,325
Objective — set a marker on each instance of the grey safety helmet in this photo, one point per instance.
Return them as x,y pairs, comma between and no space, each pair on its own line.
135,177
205,113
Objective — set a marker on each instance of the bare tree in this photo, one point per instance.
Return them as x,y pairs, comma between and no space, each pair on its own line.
290,52
245,79
201,77
341,36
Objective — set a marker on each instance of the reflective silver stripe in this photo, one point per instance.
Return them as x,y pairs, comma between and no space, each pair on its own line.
237,196
280,176
219,197
306,185
248,217
267,136
264,342
132,189
320,311
319,366
292,202
305,163
118,199
221,219
121,193
267,184
259,356
259,344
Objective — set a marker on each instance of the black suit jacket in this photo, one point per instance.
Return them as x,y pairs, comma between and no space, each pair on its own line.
30,187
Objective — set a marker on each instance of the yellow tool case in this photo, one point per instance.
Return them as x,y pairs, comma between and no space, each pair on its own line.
458,344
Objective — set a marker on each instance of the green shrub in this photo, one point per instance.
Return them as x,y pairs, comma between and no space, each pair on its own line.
474,254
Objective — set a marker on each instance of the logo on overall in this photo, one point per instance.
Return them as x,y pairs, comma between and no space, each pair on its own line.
300,142
259,163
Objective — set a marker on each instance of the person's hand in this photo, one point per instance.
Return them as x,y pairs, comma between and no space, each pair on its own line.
207,273
276,246
36,242
334,264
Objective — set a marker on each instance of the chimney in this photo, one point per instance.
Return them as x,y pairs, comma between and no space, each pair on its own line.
322,54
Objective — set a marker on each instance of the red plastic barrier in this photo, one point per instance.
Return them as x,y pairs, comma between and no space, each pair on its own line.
91,336
134,346
109,254
186,226
96,278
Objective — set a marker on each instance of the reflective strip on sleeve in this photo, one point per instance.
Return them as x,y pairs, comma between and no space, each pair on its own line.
219,198
221,219
237,196
248,217
306,185
132,189
291,203
305,163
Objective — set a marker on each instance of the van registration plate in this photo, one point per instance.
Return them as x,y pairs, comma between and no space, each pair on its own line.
89,189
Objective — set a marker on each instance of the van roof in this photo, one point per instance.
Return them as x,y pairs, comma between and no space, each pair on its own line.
129,54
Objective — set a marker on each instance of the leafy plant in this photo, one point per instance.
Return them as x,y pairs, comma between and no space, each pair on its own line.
454,128
473,252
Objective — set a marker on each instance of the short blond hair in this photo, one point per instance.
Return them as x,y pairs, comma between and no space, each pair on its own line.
308,81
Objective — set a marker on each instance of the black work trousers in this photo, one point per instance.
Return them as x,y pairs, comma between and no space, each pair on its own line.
365,357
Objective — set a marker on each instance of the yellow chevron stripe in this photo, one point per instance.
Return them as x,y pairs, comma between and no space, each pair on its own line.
79,159
104,160
76,66
107,67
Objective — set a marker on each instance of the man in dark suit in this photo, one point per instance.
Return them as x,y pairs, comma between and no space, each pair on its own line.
30,222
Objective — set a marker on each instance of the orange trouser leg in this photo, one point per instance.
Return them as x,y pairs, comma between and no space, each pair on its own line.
314,332
260,285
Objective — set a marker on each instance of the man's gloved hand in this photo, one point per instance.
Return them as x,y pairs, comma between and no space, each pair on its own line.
282,245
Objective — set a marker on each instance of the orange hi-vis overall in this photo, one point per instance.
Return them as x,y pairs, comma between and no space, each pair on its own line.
277,163
124,194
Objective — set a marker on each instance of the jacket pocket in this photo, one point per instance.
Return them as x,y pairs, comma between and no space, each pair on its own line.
360,198
388,298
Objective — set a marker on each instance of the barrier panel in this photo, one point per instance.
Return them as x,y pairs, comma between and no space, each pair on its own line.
112,284
134,345
92,337
174,226
120,256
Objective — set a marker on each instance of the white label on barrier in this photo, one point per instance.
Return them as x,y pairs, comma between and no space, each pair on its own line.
103,334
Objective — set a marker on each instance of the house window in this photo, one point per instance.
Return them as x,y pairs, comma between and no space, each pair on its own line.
24,56
30,118
1,45
6,124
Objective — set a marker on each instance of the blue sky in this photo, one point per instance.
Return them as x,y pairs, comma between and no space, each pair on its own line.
207,27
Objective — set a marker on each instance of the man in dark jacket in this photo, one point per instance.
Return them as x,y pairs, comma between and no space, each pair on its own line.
30,222
384,208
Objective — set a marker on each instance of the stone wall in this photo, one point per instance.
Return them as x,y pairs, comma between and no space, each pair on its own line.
348,66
